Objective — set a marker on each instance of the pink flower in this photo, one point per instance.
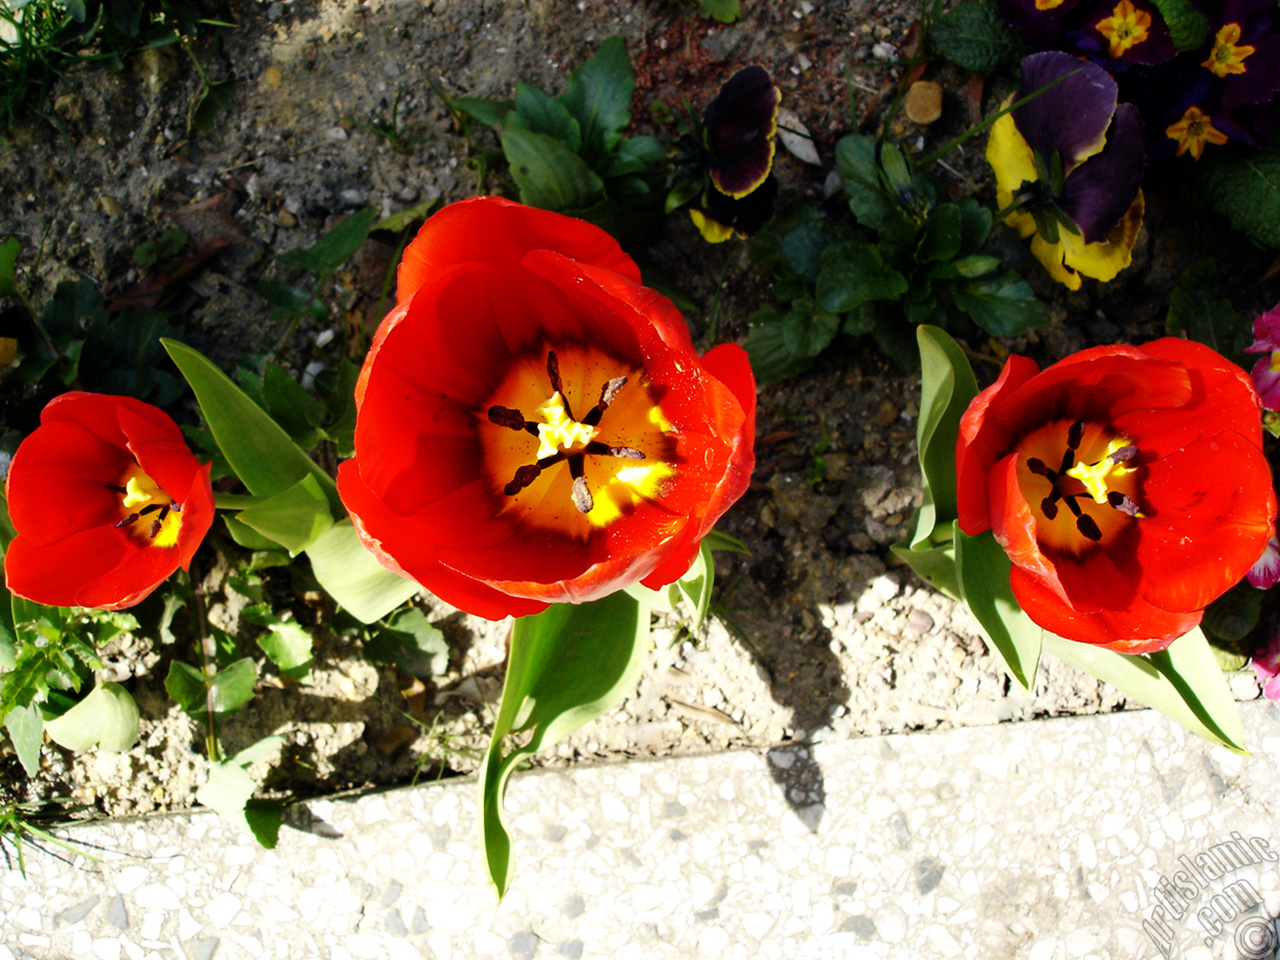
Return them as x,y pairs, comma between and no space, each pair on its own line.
1266,666
1266,372
1266,572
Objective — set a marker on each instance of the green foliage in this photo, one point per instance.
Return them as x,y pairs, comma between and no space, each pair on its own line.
200,694
1188,27
411,644
1246,190
566,666
569,153
975,36
1194,313
229,790
106,718
352,575
912,259
286,643
726,11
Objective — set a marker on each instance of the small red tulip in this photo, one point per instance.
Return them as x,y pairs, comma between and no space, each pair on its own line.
107,502
534,425
1127,485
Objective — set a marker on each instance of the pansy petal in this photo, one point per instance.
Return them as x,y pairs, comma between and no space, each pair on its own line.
1070,118
1098,193
1102,261
741,123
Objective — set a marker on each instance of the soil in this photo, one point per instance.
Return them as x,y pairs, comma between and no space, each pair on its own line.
821,633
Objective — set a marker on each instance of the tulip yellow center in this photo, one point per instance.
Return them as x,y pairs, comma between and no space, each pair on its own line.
1089,495
1125,28
147,512
1226,57
617,454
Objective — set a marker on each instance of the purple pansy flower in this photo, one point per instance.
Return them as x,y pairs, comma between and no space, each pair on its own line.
1266,667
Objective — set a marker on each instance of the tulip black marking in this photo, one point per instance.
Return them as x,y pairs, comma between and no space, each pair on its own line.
1085,524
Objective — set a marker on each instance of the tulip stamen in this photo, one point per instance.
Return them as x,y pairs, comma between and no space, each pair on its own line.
557,385
607,394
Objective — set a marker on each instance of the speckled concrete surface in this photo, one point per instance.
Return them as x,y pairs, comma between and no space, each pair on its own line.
1042,840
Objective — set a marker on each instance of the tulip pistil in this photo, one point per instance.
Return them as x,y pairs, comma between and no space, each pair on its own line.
141,497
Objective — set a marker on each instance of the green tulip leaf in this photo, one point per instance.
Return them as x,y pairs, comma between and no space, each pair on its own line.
934,564
695,586
353,576
256,447
106,718
1183,682
292,518
982,568
947,386
566,666
410,643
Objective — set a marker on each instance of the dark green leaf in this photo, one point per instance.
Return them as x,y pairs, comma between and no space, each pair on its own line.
566,666
9,251
941,237
855,273
1188,27
214,99
1194,313
334,248
982,568
975,226
802,246
548,173
896,341
491,113
934,564
598,94
1246,190
1235,614
726,11
232,688
539,112
411,644
683,192
856,162
1003,305
405,218
298,412
291,299
975,36
771,361
807,329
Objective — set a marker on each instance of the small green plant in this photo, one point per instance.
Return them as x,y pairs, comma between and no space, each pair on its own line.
25,824
569,154
912,257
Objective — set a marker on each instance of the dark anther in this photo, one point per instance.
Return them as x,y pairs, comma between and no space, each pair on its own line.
126,521
506,417
1122,503
175,507
582,496
155,528
524,476
1036,466
1075,435
1048,507
608,393
1124,454
116,487
152,508
1086,525
164,512
604,450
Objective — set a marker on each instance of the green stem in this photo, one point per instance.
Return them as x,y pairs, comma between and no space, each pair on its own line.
713,321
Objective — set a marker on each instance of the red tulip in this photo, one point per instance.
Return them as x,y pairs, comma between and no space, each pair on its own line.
1127,485
534,425
107,502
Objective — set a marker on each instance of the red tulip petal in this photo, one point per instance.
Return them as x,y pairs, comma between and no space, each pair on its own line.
58,479
402,547
1014,526
61,574
1140,627
491,230
96,412
982,442
1212,507
1222,395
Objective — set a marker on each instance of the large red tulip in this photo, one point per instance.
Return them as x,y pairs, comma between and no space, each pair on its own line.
107,502
1127,485
534,425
